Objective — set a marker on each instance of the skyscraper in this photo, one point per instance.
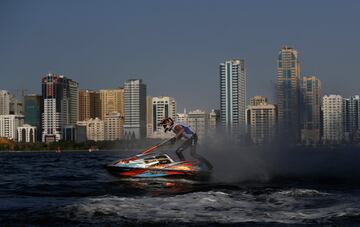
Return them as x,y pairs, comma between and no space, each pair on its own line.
233,96
288,99
112,100
32,112
162,107
89,105
351,117
332,106
58,94
4,102
135,109
311,101
73,102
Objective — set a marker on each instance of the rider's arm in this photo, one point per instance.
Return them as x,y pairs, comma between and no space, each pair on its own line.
179,131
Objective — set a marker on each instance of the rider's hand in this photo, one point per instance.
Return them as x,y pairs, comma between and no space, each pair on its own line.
173,140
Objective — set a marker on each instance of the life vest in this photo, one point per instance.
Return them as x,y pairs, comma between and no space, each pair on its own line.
188,133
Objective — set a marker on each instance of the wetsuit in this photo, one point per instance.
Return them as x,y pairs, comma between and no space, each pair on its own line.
190,141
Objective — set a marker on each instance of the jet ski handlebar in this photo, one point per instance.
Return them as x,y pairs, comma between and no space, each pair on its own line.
144,152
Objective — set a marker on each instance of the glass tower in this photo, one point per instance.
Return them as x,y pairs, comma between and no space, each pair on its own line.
288,93
32,112
233,97
311,101
135,109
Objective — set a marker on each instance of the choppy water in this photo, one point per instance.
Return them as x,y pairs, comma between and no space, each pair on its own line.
76,190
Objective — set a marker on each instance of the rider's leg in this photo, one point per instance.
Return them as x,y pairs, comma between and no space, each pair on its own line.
196,155
179,151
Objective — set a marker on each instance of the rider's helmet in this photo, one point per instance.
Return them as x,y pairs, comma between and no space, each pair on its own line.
167,123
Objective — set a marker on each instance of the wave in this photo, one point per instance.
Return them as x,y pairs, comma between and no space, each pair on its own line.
299,192
271,207
212,206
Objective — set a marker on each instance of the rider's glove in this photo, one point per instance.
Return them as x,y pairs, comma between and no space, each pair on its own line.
173,140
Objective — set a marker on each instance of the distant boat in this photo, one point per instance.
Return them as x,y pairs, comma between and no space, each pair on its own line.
93,148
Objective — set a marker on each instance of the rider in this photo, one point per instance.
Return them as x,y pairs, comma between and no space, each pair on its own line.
182,130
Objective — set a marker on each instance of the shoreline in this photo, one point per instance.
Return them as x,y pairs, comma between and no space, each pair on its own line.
259,148
68,151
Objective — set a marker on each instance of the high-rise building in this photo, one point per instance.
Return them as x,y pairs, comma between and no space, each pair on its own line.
332,106
162,107
89,105
149,118
347,118
135,109
32,112
233,96
261,120
59,99
26,134
114,126
9,125
351,117
311,101
95,129
198,120
73,102
288,72
112,100
4,102
15,106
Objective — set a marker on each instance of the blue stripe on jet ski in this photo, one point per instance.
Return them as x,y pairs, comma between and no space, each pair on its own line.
151,175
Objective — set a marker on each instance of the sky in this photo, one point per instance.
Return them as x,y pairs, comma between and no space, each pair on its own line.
176,46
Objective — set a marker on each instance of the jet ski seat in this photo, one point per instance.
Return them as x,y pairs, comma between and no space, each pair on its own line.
163,159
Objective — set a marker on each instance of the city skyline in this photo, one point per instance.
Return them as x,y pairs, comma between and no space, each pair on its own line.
64,37
179,113
296,94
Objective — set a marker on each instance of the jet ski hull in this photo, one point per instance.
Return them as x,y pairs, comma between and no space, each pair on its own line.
150,172
126,171
157,166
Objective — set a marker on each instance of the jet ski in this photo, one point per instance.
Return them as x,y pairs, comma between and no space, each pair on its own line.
152,166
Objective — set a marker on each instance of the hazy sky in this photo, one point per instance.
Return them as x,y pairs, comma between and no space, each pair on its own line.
176,46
